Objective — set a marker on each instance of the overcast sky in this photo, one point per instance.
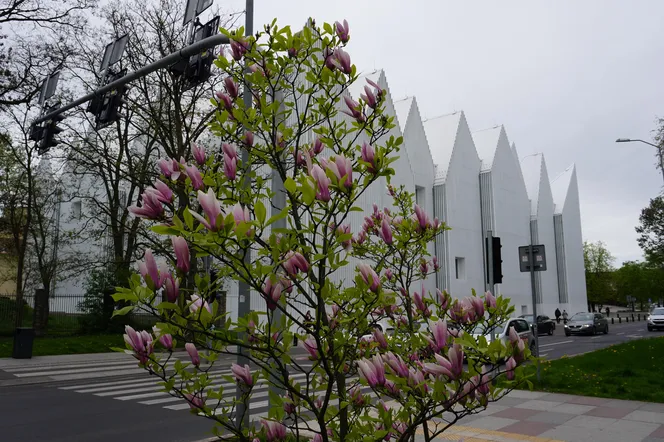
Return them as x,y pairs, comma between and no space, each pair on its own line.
565,78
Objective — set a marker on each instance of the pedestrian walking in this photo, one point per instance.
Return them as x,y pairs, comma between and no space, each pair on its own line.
608,311
557,315
564,316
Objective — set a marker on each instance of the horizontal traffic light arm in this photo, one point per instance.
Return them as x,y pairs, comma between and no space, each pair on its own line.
168,60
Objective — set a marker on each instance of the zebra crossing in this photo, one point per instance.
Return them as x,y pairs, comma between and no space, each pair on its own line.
123,380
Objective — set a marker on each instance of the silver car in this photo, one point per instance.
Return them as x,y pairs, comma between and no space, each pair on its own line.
656,319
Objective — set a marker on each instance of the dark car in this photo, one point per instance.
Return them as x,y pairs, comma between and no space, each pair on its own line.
545,325
587,324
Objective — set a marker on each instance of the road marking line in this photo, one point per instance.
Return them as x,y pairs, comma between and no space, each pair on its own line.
596,337
556,343
622,333
634,336
131,362
545,354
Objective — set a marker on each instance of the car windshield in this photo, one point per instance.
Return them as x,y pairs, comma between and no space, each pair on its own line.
528,318
482,330
657,311
582,317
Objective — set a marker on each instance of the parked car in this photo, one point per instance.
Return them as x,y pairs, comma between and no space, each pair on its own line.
502,332
545,325
656,319
587,324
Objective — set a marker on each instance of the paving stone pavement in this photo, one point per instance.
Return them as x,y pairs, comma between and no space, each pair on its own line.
548,417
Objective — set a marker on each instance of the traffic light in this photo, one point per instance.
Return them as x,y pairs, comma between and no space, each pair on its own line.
49,131
196,70
497,261
106,108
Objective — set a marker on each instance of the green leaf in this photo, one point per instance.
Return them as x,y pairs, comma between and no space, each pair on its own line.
165,230
188,219
290,185
123,311
127,295
281,215
260,211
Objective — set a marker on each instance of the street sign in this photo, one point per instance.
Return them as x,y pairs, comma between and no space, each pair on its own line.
539,258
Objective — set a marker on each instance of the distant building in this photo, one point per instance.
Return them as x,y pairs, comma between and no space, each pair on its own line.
474,182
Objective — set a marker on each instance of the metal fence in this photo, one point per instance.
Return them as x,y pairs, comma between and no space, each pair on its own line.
66,315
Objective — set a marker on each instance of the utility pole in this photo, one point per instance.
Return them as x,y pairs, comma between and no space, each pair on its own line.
531,261
244,298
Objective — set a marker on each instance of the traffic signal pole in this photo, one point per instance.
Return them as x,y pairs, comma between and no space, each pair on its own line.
183,54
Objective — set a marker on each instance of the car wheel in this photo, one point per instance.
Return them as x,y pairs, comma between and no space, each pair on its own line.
606,329
567,334
550,333
532,348
649,328
593,331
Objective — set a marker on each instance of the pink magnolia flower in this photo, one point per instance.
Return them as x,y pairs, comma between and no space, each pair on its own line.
483,382
478,306
322,183
510,365
513,335
396,364
289,405
162,191
434,261
452,366
343,230
380,338
318,146
416,380
181,249
274,431
354,109
195,176
328,55
249,139
170,168
197,303
193,353
443,299
342,167
372,371
295,262
272,293
151,208
150,272
369,276
379,90
230,161
440,334
341,60
343,32
369,97
424,266
195,401
226,101
231,87
490,300
389,275
356,397
140,342
172,288
211,208
241,215
369,156
199,153
242,374
239,47
420,305
385,232
422,218
311,346
167,341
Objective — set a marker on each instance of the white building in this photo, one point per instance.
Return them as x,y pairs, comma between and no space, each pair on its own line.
474,182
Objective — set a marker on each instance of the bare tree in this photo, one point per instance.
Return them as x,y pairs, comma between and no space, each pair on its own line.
161,116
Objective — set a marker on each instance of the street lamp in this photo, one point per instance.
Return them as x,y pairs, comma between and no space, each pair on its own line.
659,150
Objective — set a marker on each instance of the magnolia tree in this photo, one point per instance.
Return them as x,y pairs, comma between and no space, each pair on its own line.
360,382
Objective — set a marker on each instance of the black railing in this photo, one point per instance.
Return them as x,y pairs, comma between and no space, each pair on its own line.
63,315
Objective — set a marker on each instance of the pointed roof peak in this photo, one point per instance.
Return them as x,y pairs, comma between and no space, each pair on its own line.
402,108
560,186
487,142
441,133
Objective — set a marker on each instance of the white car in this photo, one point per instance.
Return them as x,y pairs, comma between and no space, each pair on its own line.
656,319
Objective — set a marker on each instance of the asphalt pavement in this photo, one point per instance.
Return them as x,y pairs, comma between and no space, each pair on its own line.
107,398
558,345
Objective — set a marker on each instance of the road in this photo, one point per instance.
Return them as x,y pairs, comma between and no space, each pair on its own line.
112,400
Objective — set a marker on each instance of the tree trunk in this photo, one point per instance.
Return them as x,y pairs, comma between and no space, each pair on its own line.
41,312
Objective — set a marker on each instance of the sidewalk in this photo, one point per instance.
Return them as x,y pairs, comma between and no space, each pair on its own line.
540,417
